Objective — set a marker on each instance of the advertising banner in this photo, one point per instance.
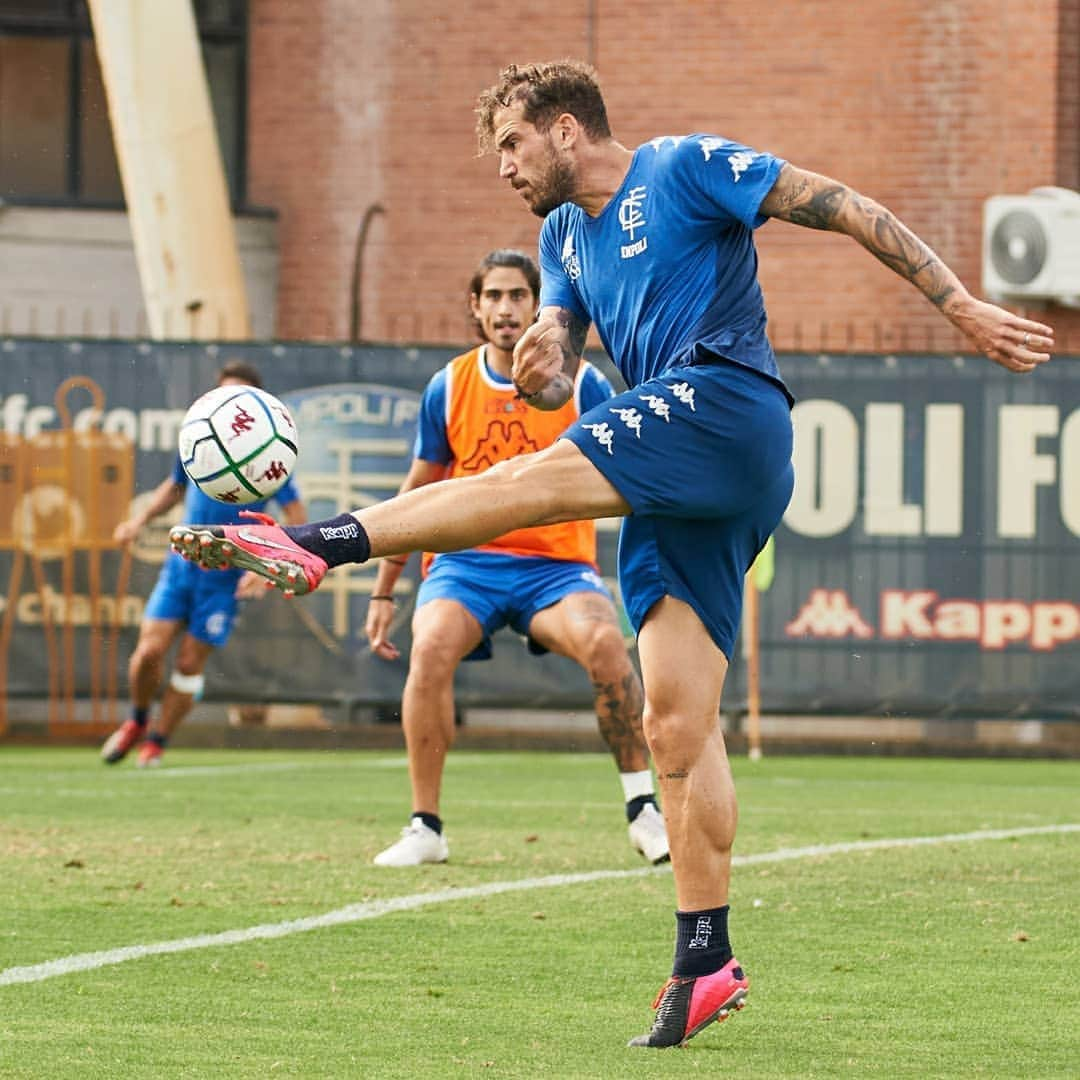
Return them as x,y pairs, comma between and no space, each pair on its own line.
928,563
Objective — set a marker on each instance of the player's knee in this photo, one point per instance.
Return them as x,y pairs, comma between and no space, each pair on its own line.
147,654
605,656
432,661
674,738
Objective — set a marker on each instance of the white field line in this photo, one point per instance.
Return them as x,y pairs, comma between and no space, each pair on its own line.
67,965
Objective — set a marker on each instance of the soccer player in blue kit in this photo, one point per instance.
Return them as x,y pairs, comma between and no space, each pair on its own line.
196,609
654,247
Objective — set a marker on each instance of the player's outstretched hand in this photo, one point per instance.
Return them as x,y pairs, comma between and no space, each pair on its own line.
380,614
251,586
126,531
1010,340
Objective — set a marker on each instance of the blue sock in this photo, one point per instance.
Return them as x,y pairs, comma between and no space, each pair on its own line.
140,716
701,942
336,541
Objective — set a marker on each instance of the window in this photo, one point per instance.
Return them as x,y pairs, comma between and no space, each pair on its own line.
56,145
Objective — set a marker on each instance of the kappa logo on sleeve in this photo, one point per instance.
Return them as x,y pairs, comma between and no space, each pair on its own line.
739,163
710,144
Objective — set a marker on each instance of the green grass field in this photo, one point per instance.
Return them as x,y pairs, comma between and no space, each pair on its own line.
955,958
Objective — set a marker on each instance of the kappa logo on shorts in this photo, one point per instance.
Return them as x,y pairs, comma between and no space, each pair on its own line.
631,418
685,393
603,434
593,578
658,406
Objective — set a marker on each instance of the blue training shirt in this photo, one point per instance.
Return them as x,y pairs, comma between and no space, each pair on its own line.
200,509
669,268
432,443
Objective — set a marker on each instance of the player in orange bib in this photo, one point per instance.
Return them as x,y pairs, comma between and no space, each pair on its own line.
541,581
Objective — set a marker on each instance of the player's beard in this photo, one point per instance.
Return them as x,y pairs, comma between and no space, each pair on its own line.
555,187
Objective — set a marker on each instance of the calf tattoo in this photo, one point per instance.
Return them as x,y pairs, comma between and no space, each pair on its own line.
618,712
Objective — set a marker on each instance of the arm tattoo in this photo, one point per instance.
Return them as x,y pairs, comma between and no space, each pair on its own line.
576,329
804,198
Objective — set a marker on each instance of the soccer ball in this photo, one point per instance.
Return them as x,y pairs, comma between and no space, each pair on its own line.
238,444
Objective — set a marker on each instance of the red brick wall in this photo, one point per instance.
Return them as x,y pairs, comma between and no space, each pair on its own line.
928,108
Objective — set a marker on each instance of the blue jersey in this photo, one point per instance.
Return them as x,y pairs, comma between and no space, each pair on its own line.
200,509
667,272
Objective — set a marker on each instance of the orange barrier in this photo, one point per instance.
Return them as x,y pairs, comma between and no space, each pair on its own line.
62,493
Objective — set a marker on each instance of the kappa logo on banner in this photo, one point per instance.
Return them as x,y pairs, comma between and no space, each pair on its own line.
921,615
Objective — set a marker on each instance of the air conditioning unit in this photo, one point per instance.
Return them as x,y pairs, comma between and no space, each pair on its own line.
1031,246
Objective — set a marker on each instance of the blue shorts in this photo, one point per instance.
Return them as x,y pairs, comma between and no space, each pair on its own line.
500,590
703,456
205,600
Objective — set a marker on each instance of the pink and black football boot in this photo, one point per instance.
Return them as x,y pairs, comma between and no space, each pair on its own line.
686,1005
265,549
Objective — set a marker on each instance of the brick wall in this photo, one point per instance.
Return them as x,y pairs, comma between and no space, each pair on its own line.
928,108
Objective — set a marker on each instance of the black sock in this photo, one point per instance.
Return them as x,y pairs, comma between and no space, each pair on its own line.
339,540
140,716
701,942
636,805
159,740
432,821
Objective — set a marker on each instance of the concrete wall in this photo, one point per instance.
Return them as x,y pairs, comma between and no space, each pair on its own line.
73,272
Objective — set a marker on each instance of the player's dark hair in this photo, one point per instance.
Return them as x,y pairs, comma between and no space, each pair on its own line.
546,91
508,257
241,370
500,257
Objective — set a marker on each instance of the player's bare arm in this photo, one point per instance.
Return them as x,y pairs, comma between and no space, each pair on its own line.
546,358
164,497
818,202
380,612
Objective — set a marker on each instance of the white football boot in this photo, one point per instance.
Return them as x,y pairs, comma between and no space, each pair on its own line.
418,844
648,835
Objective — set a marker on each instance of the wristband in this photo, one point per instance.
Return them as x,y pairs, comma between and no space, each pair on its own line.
382,596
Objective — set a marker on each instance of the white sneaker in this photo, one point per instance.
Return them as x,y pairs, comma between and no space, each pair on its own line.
648,835
418,844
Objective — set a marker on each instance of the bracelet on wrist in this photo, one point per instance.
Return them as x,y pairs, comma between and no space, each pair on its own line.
382,596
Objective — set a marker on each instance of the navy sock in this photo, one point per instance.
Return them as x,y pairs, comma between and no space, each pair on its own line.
339,540
701,942
158,739
636,805
140,716
432,821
